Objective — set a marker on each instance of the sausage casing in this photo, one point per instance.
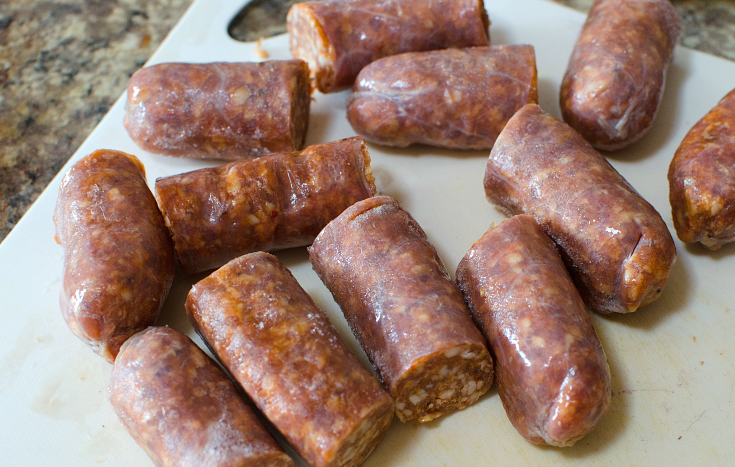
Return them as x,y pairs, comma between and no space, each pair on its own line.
219,110
270,203
457,98
404,309
118,256
702,179
183,410
290,360
551,371
616,246
339,37
615,79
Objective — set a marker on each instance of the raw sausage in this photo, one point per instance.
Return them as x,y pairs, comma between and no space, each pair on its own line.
457,98
616,246
274,202
404,309
118,256
182,409
702,179
615,79
339,37
219,110
290,360
551,371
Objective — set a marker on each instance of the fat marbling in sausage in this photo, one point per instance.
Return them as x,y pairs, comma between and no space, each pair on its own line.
118,256
270,203
702,179
339,37
552,374
289,359
183,410
617,248
615,78
403,308
456,98
219,110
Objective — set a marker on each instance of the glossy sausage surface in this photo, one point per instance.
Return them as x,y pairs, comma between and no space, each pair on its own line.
702,179
270,203
183,410
456,98
617,248
403,308
551,371
615,78
339,37
118,256
288,357
219,110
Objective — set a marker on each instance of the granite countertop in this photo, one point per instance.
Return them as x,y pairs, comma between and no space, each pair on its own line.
63,65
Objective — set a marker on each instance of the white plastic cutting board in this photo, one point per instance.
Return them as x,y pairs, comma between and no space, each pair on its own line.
673,377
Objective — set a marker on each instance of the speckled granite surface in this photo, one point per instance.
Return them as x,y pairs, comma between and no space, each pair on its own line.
706,25
63,64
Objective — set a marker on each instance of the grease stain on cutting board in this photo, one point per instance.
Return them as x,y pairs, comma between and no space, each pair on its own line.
34,335
75,389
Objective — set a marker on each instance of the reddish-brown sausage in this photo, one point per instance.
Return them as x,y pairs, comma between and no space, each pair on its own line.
404,309
118,257
615,78
457,98
219,110
290,360
702,179
551,371
616,245
182,409
271,203
339,37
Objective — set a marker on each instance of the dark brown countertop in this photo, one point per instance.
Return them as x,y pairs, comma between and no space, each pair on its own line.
62,65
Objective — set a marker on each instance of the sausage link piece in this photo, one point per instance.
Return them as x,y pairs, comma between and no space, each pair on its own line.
181,408
456,98
702,179
339,37
615,78
403,308
616,246
271,203
551,371
290,360
219,110
118,256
